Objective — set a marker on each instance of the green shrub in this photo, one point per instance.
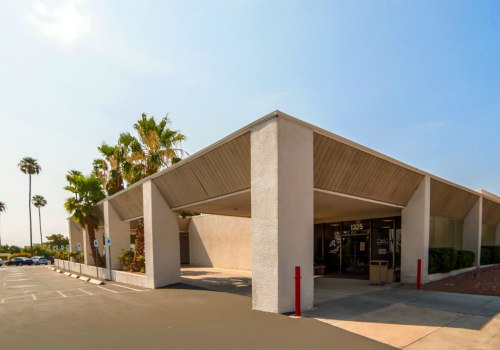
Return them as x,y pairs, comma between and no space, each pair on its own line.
490,254
465,259
125,258
77,256
496,254
442,260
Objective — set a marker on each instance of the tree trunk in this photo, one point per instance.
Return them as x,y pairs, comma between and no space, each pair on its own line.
40,221
91,232
29,207
138,263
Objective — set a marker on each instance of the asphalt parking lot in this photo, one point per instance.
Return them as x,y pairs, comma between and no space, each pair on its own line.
43,309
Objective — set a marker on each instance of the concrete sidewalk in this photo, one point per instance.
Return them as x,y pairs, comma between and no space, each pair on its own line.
398,316
407,318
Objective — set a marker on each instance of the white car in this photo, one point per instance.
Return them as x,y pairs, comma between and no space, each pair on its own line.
1,262
39,260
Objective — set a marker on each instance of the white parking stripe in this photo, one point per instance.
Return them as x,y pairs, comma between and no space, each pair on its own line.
34,297
61,293
83,290
137,290
109,290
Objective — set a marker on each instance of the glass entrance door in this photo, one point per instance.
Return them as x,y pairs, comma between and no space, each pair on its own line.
355,255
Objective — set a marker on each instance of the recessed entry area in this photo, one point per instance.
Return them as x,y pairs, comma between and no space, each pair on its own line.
350,234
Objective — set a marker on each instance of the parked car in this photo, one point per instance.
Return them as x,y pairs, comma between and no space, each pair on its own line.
1,262
39,260
19,261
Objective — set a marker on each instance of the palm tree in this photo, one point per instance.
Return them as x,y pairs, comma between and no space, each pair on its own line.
39,202
109,168
3,208
30,166
156,148
88,192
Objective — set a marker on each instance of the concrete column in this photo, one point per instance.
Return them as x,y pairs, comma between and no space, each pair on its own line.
75,235
415,221
161,239
282,214
473,223
118,231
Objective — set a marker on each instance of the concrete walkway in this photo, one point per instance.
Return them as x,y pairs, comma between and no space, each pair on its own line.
398,316
222,280
407,318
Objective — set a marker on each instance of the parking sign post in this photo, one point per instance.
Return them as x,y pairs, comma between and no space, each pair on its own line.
108,243
79,248
68,249
96,244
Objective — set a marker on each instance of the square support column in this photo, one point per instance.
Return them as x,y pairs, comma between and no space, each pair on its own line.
282,214
119,233
473,223
161,239
75,235
415,223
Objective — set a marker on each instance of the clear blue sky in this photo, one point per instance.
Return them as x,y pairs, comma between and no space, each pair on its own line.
417,80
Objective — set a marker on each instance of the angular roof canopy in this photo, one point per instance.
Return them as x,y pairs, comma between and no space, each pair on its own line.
217,179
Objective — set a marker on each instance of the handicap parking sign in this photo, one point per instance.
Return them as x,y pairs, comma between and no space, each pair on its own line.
109,241
95,243
79,246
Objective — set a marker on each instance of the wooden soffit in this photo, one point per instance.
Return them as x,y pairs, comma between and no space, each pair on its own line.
223,170
344,169
128,204
491,212
450,201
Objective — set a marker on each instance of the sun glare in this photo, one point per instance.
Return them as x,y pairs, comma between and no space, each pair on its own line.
64,22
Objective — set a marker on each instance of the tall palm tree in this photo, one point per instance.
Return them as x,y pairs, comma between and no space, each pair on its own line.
88,192
109,168
3,208
39,202
156,148
30,166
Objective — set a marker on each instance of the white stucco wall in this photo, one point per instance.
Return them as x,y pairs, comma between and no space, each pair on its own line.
161,239
221,241
472,230
119,233
415,221
282,214
75,235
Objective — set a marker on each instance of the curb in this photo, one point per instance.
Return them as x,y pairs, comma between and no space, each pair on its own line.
83,278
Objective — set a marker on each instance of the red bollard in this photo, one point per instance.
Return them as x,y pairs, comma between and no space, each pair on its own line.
297,290
419,272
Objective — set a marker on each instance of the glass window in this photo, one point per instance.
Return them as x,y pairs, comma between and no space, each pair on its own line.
445,232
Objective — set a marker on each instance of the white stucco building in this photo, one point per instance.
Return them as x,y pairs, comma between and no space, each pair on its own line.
283,193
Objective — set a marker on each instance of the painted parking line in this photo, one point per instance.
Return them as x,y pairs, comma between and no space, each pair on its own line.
62,294
137,290
109,290
16,298
83,290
